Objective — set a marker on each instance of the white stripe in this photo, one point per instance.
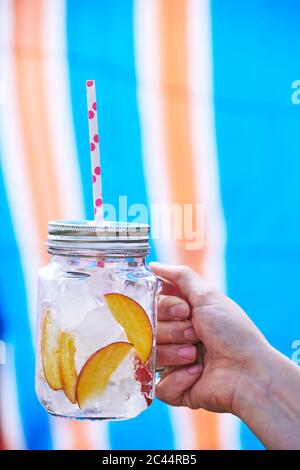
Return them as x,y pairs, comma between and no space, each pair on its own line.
229,432
66,164
205,154
10,421
59,111
14,164
150,109
98,435
203,137
60,433
182,427
96,432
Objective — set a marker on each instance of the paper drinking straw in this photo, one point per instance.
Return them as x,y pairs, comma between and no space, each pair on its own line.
94,150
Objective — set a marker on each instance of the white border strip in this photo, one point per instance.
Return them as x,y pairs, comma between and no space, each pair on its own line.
98,435
66,165
150,110
203,138
183,427
59,110
96,432
229,432
206,163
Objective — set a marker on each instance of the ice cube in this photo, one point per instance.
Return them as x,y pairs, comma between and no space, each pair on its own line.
49,276
73,301
104,280
96,330
141,292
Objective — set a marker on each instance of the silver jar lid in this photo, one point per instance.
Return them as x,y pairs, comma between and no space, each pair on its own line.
90,235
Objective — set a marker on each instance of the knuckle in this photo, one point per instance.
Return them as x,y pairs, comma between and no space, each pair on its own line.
197,298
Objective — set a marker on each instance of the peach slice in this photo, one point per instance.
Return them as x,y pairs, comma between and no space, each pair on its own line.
67,366
96,372
133,318
50,349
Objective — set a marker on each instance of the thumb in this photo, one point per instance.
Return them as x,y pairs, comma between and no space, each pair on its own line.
172,387
190,284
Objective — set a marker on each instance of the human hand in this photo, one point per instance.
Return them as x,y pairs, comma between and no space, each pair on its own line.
190,311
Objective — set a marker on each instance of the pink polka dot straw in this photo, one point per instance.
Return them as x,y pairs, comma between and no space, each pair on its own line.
94,150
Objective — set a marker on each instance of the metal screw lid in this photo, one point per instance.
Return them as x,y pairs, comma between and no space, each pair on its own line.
86,234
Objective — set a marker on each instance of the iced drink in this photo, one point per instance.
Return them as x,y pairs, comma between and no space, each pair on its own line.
97,322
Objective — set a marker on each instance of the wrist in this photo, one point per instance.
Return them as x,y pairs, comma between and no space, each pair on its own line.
254,385
267,400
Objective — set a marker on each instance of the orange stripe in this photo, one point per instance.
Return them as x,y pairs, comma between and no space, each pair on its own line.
179,154
31,94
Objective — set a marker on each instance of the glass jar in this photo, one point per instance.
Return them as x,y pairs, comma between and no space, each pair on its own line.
96,322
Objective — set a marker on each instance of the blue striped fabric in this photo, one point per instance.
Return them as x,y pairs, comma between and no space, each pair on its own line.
255,60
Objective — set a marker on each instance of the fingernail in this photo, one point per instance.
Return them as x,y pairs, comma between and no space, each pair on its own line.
195,369
188,352
190,334
179,311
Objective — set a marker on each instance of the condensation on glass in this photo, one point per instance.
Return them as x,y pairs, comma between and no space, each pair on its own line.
96,322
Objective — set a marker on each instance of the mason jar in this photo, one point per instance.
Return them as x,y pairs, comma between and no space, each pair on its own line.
96,331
